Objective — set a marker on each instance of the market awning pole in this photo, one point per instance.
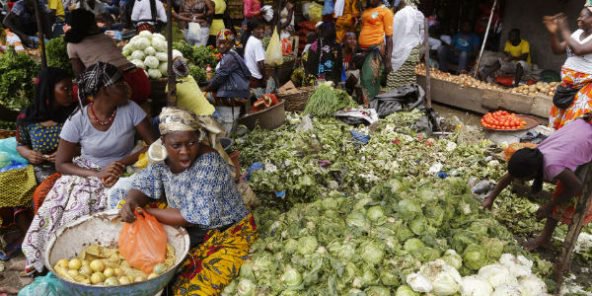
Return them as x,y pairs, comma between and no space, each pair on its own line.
172,87
426,42
582,207
478,64
431,114
40,35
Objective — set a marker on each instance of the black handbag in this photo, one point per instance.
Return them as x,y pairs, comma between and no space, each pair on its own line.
564,96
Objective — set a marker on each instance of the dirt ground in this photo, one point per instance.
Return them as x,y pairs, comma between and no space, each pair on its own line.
10,281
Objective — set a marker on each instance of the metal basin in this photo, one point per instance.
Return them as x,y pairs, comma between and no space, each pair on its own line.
103,228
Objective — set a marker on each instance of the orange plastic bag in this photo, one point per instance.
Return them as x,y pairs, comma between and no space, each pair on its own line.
143,242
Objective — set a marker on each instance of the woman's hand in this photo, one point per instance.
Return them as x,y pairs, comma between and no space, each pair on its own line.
34,157
50,157
111,173
561,22
127,211
551,22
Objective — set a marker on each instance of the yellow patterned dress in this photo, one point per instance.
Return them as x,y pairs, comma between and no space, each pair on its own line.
208,198
582,102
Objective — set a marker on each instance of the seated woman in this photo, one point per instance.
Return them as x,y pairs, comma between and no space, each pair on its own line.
555,160
325,56
230,82
105,130
201,197
39,125
352,62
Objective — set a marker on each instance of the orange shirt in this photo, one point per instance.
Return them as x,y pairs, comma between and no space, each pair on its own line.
376,24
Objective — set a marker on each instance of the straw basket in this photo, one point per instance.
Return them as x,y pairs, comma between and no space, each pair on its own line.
296,102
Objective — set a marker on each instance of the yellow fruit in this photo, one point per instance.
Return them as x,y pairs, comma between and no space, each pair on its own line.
63,263
73,273
139,278
74,264
118,272
109,272
111,282
97,265
85,270
82,279
96,278
124,280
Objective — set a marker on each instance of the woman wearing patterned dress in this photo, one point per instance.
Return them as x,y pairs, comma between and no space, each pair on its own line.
201,196
104,129
39,125
576,73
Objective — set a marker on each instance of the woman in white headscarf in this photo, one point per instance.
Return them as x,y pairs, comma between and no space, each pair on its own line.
407,36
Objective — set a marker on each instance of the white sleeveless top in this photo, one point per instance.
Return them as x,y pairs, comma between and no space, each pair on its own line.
579,63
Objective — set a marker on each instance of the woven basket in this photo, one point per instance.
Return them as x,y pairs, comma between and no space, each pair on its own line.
296,102
6,134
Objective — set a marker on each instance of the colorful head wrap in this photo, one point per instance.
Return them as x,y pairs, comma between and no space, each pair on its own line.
96,77
225,35
177,120
173,120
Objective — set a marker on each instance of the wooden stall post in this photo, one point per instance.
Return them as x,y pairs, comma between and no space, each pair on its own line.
172,86
583,205
40,30
431,114
478,64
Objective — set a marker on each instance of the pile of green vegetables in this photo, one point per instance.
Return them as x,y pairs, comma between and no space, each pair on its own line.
57,55
198,58
326,100
372,243
339,218
16,81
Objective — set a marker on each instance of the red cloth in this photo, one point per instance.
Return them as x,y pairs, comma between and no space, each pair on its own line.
141,88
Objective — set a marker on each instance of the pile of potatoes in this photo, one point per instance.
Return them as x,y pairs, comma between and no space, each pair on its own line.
104,266
538,89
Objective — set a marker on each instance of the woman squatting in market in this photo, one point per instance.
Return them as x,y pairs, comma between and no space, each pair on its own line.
574,96
555,160
201,196
104,127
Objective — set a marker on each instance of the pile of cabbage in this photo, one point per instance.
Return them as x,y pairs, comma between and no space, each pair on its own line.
374,243
149,52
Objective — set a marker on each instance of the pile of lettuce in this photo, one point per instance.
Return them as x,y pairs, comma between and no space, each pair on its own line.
371,243
342,218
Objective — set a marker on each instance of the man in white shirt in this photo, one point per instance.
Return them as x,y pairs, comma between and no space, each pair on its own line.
255,53
143,17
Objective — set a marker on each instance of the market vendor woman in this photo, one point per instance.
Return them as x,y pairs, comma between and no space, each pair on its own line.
555,160
201,196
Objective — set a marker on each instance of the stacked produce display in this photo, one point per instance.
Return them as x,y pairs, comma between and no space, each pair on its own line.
149,52
393,217
464,80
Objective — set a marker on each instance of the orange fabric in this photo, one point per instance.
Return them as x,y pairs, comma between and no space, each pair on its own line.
143,242
512,148
42,190
376,24
346,22
565,213
582,102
